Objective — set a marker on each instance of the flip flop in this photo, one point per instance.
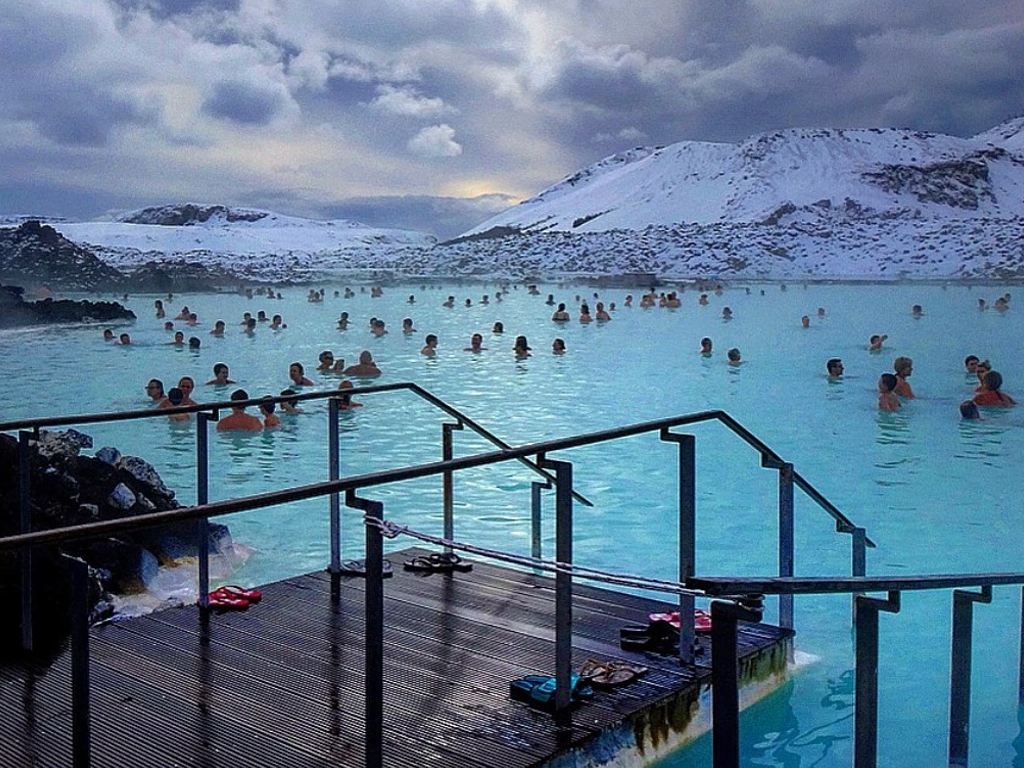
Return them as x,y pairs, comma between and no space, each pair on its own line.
539,690
426,565
450,560
701,619
223,602
358,568
233,590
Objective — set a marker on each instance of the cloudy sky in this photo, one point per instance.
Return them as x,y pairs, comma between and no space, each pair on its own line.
432,114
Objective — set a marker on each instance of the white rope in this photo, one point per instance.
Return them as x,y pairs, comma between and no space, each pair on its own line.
392,530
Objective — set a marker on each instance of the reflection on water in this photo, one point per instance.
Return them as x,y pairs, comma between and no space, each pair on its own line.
893,427
982,441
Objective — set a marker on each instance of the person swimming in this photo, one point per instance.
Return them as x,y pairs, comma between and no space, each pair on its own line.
277,323
875,342
498,329
969,410
521,348
558,347
411,299
734,356
183,315
834,367
193,319
726,313
981,370
267,408
971,365
239,420
407,326
159,307
289,404
187,384
220,375
155,390
429,345
346,402
108,335
179,339
917,310
585,313
194,343
366,367
805,321
326,361
343,321
602,313
124,340
168,326
475,344
218,328
903,367
887,400
628,301
990,393
705,347
298,375
551,300
560,316
449,302
175,398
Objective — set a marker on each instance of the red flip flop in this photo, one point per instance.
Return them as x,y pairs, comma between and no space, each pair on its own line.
240,593
223,601
701,619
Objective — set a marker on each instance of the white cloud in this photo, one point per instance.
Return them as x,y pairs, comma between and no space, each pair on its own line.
435,141
404,100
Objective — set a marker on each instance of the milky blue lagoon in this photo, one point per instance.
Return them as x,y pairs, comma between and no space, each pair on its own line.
938,495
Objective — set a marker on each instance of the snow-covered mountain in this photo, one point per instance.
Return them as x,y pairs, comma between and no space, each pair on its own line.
215,231
876,171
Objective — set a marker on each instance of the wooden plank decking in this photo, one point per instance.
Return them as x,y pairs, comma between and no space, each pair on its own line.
282,684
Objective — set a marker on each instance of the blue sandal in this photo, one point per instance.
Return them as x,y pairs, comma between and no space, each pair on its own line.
539,690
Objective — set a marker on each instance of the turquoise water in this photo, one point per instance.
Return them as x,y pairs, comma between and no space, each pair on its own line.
937,494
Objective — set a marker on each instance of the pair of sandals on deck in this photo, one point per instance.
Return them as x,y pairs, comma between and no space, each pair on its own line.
231,597
437,562
661,635
539,690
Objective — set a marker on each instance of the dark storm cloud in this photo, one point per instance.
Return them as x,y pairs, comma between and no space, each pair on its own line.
246,103
342,98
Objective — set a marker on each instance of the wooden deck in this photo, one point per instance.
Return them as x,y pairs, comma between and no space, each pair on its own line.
282,684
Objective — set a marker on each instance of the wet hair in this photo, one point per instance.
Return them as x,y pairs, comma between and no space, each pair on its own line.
733,354
218,367
157,383
430,337
521,343
560,343
970,358
302,371
239,394
179,334
175,396
888,380
969,410
218,324
499,327
705,342
900,363
325,353
194,342
561,307
993,381
874,338
267,404
832,363
289,393
584,309
189,379
407,321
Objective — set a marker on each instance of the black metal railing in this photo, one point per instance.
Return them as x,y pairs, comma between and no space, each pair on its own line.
556,473
749,591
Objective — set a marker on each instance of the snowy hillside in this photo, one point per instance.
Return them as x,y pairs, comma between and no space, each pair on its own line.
219,233
872,171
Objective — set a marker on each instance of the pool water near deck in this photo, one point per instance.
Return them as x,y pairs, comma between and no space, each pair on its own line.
937,494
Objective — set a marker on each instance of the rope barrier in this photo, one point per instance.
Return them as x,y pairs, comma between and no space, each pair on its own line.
392,530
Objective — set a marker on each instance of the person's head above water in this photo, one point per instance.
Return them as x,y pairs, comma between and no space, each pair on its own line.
971,363
179,337
834,367
887,382
733,355
558,346
993,381
194,342
969,410
498,328
903,366
124,338
521,344
237,396
705,344
805,321
365,357
186,384
175,396
155,389
108,335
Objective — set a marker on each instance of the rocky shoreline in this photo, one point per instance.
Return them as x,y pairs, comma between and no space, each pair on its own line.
69,488
15,311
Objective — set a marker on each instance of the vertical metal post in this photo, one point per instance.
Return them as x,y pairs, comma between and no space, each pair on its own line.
81,748
858,565
687,536
1020,674
536,508
25,523
447,481
332,474
202,497
960,672
865,744
786,540
374,654
563,582
725,694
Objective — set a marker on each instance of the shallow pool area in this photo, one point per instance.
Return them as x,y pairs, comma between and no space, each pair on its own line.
937,494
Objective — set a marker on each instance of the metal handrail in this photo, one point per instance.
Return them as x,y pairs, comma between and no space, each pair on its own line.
729,587
149,413
354,482
769,458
